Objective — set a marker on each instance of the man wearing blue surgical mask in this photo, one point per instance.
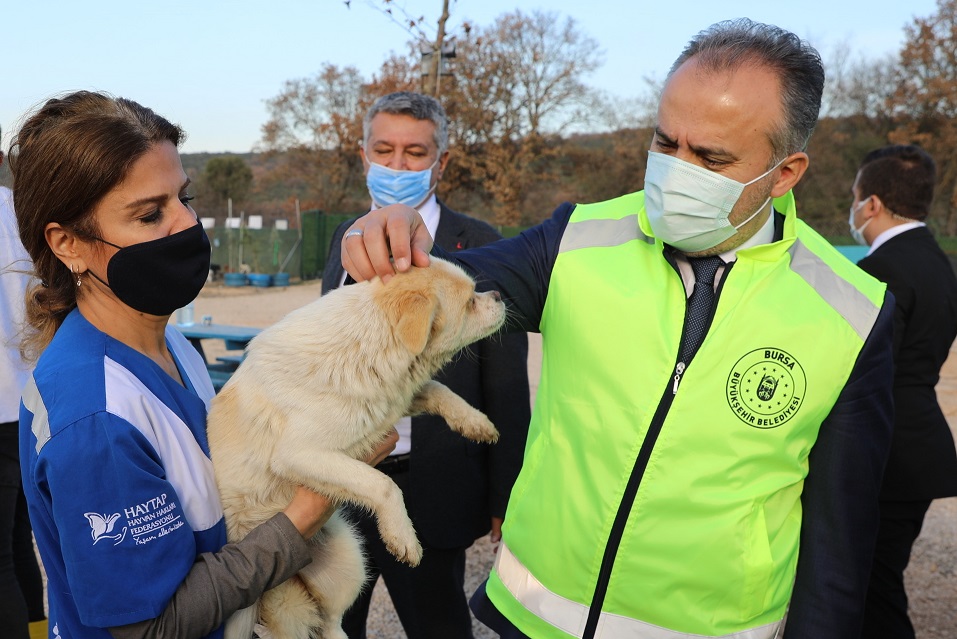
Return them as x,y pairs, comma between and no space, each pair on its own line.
455,490
714,412
404,158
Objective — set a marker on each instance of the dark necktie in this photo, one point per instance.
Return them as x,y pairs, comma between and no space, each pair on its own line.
699,304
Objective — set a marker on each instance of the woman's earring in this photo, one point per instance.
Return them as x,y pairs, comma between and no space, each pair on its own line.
75,272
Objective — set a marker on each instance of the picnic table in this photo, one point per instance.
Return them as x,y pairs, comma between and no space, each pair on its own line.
234,337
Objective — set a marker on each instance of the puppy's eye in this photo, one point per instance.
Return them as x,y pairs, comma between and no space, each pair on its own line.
472,301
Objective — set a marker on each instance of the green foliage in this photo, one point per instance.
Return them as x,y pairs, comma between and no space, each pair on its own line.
224,178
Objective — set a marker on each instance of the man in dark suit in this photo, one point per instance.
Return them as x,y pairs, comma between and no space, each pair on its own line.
892,196
455,490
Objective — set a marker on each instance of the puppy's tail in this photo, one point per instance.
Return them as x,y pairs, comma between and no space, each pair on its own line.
241,624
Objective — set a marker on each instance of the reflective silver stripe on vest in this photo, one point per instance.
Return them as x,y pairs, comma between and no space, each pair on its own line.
591,233
41,420
569,616
859,311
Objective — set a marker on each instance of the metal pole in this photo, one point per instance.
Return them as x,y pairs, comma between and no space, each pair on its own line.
229,233
282,267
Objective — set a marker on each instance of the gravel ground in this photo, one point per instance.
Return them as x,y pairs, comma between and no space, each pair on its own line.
931,576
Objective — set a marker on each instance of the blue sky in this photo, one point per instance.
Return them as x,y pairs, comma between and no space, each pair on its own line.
211,64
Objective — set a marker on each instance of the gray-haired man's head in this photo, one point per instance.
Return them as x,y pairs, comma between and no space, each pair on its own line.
416,105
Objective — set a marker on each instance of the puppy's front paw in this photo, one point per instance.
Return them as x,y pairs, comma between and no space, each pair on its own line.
406,550
398,534
477,427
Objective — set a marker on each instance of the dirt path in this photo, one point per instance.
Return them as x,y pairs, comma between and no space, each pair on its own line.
931,577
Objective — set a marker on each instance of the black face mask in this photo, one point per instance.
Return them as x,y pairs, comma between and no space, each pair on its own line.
160,276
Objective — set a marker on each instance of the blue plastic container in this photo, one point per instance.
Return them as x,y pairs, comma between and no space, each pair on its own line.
280,279
260,279
234,279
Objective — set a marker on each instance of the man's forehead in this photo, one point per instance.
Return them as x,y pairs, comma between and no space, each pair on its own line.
400,127
719,108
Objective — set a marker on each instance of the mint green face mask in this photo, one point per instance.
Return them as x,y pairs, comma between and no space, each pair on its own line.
688,206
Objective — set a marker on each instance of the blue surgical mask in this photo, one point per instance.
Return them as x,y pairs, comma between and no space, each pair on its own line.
688,206
390,186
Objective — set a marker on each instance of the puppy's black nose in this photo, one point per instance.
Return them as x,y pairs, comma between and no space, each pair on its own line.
496,295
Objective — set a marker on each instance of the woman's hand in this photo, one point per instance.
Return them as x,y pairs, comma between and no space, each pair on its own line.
309,511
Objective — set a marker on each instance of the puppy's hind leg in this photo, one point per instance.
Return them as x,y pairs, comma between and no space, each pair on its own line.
436,398
288,611
311,604
336,575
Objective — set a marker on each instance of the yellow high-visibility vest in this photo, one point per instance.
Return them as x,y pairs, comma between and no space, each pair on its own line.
672,497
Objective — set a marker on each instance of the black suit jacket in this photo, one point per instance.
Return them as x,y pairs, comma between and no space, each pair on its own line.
455,485
923,462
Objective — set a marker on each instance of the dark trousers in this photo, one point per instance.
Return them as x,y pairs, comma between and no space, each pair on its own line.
429,599
885,612
21,586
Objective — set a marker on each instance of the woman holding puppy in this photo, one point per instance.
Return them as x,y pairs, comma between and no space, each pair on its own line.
113,423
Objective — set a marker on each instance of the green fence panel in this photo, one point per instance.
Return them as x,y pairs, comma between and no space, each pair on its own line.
317,231
267,250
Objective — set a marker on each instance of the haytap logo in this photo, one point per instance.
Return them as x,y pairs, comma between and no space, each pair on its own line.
102,526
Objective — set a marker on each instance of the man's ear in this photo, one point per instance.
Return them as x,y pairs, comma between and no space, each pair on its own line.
874,206
443,162
792,170
365,160
64,243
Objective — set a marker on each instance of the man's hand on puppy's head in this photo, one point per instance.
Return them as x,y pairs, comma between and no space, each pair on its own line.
385,241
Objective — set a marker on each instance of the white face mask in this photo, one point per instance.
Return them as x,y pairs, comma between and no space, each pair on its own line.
858,232
688,206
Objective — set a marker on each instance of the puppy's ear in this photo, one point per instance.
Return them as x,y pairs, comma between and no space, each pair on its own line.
414,313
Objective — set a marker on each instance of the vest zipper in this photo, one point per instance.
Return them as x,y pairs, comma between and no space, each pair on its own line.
679,371
634,481
624,510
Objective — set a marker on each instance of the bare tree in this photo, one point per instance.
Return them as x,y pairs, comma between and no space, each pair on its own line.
517,83
516,86
858,86
315,125
433,49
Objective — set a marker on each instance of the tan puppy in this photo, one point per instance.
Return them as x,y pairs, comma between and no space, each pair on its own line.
316,393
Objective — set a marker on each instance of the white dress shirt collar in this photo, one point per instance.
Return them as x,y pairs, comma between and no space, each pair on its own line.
893,231
765,235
